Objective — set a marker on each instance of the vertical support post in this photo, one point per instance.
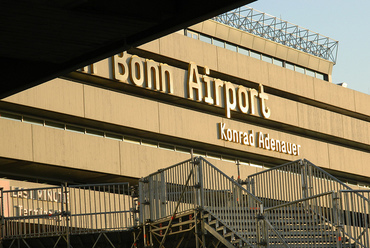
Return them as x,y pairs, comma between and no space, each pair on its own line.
251,188
201,203
163,200
304,179
262,230
337,218
197,199
67,215
141,202
2,233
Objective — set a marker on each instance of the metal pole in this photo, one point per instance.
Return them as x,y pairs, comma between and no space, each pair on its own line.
337,219
2,216
67,215
177,206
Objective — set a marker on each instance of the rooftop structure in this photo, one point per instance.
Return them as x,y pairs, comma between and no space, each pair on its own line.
280,31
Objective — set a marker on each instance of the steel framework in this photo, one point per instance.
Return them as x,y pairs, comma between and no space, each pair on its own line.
192,204
280,31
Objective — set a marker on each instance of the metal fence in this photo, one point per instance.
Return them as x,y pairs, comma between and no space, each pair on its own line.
55,211
291,182
33,212
356,216
280,31
199,185
310,222
100,207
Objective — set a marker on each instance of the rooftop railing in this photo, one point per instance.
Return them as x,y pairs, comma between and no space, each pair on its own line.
280,31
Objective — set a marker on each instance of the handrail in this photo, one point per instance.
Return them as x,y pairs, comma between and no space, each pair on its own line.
297,201
305,180
64,210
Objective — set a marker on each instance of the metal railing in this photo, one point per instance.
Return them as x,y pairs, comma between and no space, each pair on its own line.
291,182
33,212
100,207
280,31
234,206
309,222
197,184
65,210
355,206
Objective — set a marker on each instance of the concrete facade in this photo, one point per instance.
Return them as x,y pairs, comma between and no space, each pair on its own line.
91,121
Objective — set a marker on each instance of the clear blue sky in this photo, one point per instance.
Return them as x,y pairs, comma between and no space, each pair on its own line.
345,21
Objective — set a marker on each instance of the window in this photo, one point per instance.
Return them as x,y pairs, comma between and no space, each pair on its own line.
299,69
54,125
75,129
255,55
94,132
266,58
319,76
33,121
205,38
278,62
11,117
219,43
230,47
289,66
114,136
310,73
243,51
132,140
149,143
166,147
192,34
183,149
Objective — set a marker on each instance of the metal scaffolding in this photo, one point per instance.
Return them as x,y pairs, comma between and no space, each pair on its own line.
280,31
192,204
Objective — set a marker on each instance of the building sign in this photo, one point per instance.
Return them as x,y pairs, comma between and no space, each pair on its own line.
25,202
201,87
156,76
258,139
233,97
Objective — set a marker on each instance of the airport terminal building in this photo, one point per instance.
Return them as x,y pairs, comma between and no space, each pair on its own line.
242,101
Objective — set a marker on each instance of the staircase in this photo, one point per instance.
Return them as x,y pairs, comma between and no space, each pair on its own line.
314,211
192,204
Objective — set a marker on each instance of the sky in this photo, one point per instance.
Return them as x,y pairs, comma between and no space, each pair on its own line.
345,21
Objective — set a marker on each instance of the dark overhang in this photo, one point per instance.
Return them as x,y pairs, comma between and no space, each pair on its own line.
42,39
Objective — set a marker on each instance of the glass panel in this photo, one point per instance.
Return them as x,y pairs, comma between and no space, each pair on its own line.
255,55
188,33
94,133
228,159
230,47
299,69
54,125
132,140
166,147
149,143
310,73
266,58
289,66
183,149
75,129
205,38
213,155
33,121
243,51
114,136
218,43
278,62
11,117
319,76
199,153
